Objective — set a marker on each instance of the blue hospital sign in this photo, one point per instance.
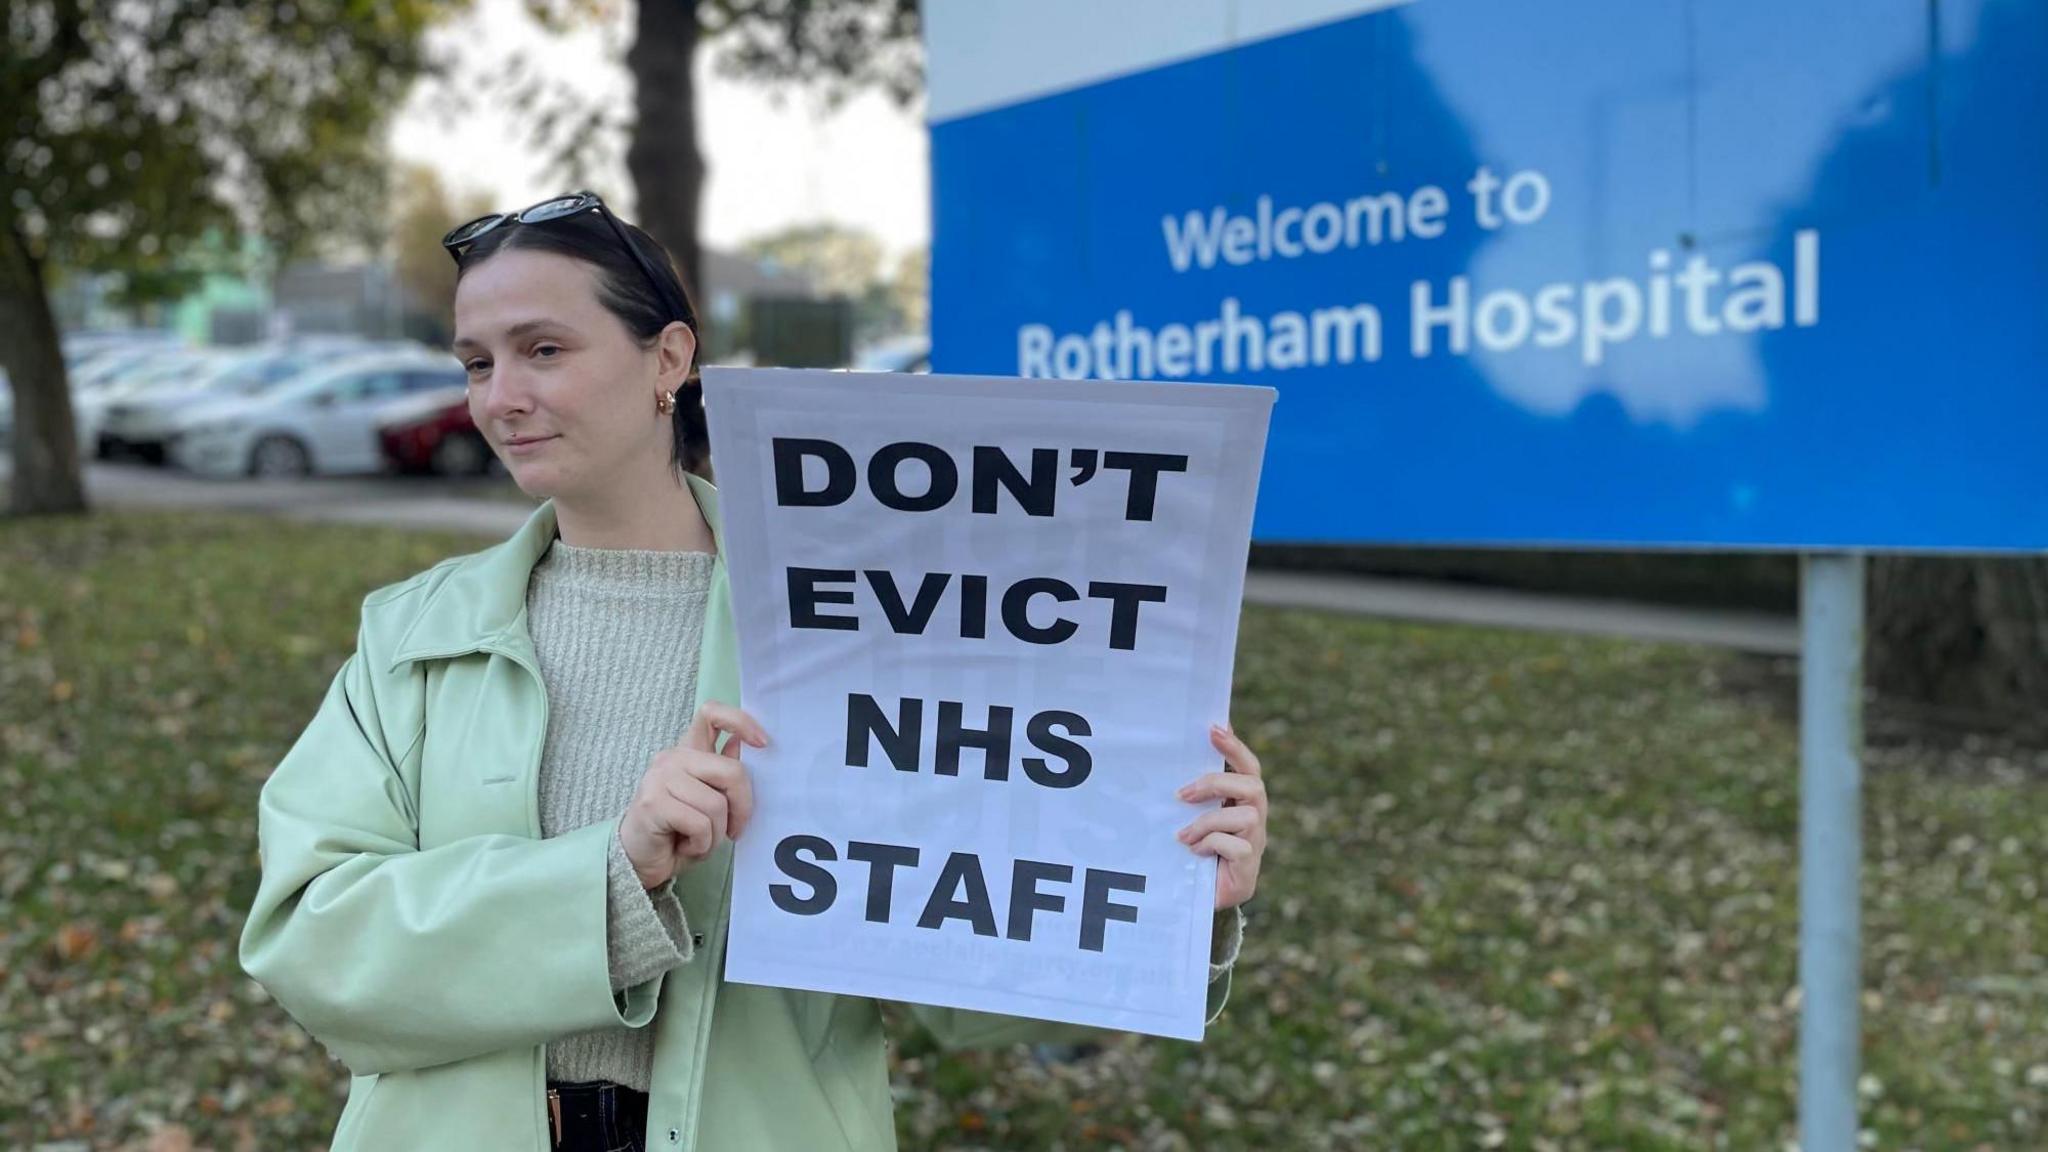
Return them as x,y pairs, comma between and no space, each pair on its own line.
1580,273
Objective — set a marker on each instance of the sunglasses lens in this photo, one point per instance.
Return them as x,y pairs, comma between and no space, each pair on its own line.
554,209
464,233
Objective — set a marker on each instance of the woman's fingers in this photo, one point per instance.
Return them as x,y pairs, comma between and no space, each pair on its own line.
1225,846
724,772
692,826
704,798
739,800
1228,786
1235,752
713,718
1241,822
730,778
691,797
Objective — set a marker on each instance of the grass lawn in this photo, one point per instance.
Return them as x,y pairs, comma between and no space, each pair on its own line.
1524,892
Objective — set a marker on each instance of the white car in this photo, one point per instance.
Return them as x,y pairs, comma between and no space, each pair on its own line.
94,368
323,422
898,354
85,343
156,369
143,424
98,368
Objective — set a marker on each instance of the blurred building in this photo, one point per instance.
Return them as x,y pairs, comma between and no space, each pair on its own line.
735,286
750,308
338,299
227,301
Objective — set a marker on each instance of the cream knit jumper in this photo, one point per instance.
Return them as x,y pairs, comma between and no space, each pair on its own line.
616,632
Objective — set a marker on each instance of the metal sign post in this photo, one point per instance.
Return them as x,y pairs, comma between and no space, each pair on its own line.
1830,848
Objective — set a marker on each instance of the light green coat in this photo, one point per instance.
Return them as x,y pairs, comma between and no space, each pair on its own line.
412,918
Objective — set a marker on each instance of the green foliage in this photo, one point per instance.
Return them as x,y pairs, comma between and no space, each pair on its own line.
839,260
135,130
838,46
423,211
830,49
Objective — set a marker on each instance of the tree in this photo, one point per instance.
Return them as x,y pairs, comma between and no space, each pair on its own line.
831,47
910,290
838,45
424,211
135,130
1966,637
839,260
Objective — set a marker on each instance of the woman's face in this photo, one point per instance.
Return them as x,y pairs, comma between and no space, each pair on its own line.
557,385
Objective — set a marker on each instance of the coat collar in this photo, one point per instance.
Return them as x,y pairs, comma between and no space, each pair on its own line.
481,605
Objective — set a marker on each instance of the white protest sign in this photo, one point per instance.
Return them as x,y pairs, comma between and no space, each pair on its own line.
987,624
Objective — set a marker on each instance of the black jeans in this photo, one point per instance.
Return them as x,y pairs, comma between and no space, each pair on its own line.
600,1116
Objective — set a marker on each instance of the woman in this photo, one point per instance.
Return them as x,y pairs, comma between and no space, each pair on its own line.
484,864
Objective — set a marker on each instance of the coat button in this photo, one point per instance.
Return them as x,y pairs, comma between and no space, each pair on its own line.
675,1136
696,939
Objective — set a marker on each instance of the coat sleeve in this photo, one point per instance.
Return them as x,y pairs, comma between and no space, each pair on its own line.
957,1028
395,957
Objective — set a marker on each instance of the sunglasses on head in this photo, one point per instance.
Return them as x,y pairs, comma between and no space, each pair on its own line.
460,237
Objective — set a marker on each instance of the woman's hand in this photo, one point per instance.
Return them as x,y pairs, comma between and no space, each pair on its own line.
691,798
1236,833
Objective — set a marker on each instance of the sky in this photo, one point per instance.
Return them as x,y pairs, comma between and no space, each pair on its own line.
771,164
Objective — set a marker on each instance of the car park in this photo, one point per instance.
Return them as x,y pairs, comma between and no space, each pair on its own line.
89,355
159,369
896,354
321,423
93,341
436,435
99,365
141,425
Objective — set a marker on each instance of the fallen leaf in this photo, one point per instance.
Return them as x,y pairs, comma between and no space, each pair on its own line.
77,940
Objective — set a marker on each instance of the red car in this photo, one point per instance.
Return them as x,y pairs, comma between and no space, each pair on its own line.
435,436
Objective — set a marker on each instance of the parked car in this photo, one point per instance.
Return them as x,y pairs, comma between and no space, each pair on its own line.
168,368
90,356
896,354
92,341
435,435
142,425
87,348
324,422
342,343
100,365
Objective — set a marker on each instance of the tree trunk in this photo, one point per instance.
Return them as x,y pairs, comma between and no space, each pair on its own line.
664,159
1965,635
2013,596
46,478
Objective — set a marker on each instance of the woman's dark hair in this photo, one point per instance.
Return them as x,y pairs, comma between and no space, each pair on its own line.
623,288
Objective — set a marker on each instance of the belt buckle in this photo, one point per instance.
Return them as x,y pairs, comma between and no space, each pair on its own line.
555,1117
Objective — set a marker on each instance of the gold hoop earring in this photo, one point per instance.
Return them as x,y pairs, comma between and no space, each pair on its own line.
665,403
